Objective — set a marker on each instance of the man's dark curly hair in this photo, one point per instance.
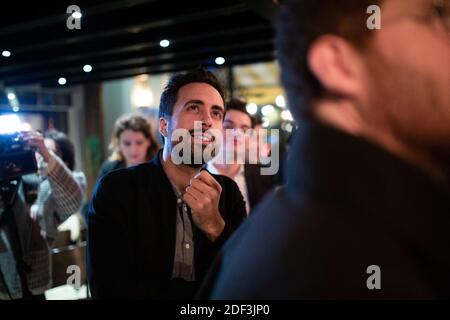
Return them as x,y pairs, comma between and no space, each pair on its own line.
170,93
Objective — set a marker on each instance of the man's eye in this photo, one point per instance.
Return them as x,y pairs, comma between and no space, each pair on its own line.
217,114
193,107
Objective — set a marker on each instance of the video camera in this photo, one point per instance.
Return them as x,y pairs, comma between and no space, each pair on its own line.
16,158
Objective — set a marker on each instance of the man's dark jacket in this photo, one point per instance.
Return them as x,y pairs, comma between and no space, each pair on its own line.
132,219
348,208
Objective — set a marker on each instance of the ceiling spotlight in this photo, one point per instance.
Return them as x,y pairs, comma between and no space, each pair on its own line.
267,110
289,127
280,102
6,53
252,108
164,43
77,15
286,115
15,109
87,68
220,60
11,96
62,81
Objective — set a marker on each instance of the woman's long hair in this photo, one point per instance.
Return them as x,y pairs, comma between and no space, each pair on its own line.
135,123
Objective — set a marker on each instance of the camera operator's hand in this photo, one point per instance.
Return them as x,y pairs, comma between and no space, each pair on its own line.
35,140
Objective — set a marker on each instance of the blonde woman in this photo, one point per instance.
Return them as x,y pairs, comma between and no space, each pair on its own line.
131,143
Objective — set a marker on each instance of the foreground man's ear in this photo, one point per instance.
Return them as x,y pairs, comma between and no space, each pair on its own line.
336,65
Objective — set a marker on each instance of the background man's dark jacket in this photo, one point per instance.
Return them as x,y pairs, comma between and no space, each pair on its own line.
258,185
347,205
132,219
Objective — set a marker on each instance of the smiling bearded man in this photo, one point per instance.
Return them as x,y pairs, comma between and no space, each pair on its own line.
162,222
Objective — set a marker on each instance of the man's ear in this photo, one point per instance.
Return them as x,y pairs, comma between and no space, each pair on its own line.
336,65
163,126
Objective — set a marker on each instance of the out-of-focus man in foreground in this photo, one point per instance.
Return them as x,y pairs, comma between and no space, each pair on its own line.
366,209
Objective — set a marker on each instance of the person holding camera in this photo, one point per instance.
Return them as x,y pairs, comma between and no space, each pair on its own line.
25,265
